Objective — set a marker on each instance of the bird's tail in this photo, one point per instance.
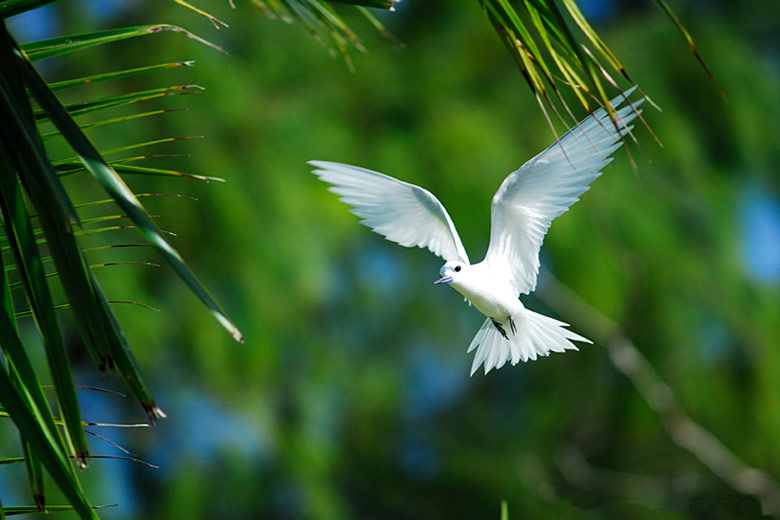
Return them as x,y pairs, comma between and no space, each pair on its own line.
531,335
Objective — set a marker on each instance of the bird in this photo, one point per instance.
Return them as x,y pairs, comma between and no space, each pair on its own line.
522,210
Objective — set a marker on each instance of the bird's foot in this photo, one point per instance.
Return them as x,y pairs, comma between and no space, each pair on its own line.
500,328
512,325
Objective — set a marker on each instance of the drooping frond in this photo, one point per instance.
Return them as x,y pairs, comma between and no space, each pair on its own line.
44,234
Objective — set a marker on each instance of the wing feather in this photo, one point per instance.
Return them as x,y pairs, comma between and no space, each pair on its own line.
543,188
401,212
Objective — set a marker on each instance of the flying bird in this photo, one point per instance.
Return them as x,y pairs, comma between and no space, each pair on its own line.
521,212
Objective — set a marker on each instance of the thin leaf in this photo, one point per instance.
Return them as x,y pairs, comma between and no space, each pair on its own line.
43,441
321,21
118,190
379,26
129,459
328,16
88,250
34,474
21,133
125,360
64,44
139,195
85,107
689,39
378,4
213,19
571,75
519,53
93,316
112,443
26,510
140,170
86,423
97,78
17,358
120,119
21,238
22,242
590,65
173,173
63,306
74,160
592,35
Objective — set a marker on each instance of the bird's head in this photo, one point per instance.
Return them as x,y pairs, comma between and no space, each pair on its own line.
450,272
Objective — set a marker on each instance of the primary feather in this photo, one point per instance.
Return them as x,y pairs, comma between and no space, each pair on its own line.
544,187
404,213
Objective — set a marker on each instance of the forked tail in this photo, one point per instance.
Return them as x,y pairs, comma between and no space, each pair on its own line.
536,335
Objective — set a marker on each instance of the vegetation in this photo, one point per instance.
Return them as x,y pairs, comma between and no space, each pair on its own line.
350,397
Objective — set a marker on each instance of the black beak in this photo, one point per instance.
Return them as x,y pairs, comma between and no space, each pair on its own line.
443,279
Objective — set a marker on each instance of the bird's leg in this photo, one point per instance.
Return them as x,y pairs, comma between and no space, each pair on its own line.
512,325
500,328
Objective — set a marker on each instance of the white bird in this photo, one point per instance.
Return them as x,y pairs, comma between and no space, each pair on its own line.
521,212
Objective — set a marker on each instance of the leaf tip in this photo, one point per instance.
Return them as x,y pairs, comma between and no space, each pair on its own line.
154,412
81,459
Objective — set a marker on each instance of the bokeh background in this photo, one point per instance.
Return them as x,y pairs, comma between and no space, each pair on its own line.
351,397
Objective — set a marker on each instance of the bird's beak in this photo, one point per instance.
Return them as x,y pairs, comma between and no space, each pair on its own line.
443,279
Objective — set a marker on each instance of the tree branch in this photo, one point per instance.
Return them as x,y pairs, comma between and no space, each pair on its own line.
686,433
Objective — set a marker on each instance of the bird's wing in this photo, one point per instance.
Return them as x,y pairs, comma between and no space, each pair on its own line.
401,212
544,187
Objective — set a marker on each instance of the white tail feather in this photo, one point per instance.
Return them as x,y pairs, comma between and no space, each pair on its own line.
537,335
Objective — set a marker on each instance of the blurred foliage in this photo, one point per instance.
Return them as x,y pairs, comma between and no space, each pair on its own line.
351,396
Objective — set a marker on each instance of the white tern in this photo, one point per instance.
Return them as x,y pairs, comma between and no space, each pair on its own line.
521,212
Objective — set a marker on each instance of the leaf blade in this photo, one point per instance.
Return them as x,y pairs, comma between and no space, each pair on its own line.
65,44
118,190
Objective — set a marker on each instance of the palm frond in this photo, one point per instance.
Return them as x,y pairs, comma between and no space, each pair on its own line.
320,19
58,230
551,55
537,33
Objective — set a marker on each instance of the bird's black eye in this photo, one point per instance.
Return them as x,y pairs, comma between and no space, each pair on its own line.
457,268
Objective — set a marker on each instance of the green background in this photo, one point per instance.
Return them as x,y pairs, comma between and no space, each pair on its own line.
350,397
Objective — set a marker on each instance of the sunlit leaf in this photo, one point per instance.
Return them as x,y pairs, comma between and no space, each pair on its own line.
117,189
97,78
65,44
85,107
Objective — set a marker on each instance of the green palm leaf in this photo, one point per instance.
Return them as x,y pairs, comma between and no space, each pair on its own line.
97,78
116,187
22,153
37,174
583,63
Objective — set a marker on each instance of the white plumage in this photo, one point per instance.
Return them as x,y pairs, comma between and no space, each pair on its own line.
521,213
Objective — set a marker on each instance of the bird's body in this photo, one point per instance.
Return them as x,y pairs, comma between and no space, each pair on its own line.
490,294
521,212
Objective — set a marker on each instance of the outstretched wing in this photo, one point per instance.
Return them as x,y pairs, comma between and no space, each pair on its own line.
401,212
544,187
